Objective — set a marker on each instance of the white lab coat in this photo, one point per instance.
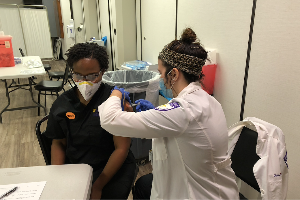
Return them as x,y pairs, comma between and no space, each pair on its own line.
190,142
271,170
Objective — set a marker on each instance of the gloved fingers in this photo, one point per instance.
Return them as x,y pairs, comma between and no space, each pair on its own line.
144,105
120,89
122,101
138,108
138,101
126,94
115,88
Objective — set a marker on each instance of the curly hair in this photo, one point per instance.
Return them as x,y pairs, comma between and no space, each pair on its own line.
188,44
87,50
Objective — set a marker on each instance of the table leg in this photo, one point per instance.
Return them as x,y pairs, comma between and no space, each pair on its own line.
19,87
7,95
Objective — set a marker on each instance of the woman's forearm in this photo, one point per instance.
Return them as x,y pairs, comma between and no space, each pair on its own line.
114,163
58,152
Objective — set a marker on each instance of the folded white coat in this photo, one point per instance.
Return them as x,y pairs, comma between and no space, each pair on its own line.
271,170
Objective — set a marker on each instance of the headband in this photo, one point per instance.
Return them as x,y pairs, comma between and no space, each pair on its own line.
187,63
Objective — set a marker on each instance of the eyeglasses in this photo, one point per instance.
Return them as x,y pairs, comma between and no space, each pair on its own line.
90,77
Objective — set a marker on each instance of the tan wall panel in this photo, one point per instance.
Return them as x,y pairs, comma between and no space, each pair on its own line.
273,91
224,26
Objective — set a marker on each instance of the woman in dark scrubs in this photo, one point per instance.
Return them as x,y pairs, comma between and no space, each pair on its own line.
74,126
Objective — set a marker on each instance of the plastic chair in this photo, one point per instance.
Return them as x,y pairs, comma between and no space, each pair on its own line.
60,75
51,86
45,143
244,157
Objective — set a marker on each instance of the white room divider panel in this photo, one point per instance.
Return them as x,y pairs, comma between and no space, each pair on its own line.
78,20
103,15
118,23
36,32
273,90
11,25
224,26
158,27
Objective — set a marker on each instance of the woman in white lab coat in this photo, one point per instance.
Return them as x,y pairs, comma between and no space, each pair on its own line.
190,138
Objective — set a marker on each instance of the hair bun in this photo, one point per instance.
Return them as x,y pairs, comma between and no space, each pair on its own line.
188,36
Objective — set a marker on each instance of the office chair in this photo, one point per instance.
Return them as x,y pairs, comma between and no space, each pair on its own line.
244,157
51,86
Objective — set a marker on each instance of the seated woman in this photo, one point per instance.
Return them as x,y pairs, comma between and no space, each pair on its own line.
74,126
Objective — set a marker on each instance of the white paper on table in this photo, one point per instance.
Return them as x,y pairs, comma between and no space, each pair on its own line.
27,191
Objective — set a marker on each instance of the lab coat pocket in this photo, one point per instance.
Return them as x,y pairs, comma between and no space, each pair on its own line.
275,190
159,149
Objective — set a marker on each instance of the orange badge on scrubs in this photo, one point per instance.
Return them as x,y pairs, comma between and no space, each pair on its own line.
70,115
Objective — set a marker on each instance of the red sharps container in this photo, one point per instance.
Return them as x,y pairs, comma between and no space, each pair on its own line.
209,72
6,51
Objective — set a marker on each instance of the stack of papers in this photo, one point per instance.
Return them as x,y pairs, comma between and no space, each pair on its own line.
26,191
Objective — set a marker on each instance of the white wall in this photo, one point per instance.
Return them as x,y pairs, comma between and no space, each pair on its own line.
223,26
121,44
273,91
66,16
10,23
105,31
36,32
90,21
78,20
11,1
129,31
158,27
124,22
115,17
273,83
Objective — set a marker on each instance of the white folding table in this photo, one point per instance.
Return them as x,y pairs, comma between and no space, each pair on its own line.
63,181
20,71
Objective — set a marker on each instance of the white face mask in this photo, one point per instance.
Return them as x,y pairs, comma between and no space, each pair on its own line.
87,88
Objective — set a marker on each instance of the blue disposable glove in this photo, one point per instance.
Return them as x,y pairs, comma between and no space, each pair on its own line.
143,105
125,96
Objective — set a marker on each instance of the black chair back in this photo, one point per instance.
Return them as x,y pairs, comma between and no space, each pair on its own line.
244,157
45,143
66,74
22,53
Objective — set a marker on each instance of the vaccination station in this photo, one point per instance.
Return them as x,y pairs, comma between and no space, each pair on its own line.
149,99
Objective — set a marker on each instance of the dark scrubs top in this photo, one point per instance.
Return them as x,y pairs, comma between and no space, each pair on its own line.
87,141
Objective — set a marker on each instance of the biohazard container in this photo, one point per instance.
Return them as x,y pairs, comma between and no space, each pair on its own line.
6,51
